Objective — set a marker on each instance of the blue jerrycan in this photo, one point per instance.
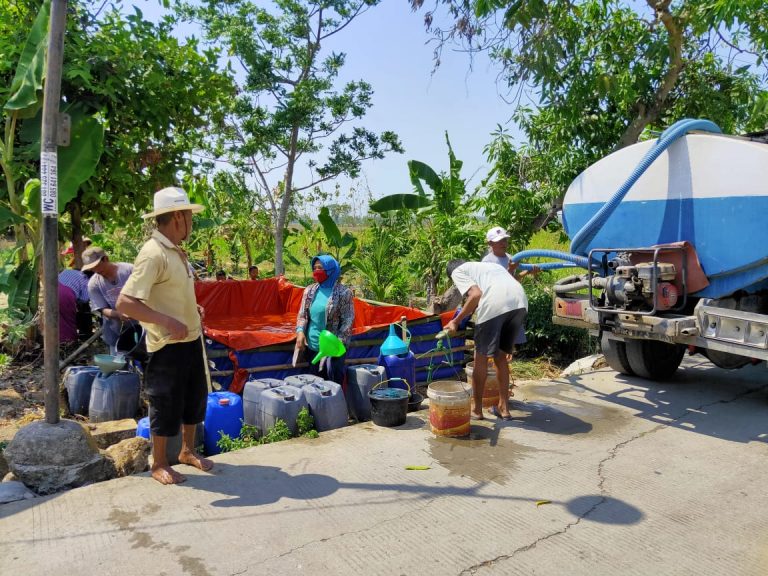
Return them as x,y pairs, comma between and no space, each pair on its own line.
223,414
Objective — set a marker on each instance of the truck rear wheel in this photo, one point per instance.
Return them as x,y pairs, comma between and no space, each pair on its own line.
615,353
652,359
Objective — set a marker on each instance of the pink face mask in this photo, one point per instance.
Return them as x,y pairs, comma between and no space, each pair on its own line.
320,276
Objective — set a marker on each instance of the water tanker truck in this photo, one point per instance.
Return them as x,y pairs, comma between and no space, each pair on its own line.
673,238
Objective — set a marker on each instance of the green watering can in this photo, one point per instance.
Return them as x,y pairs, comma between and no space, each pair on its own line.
330,345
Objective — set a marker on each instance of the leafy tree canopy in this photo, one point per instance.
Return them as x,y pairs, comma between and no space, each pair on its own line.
292,126
588,76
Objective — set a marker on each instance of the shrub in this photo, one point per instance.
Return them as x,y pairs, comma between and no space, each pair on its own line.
249,434
560,343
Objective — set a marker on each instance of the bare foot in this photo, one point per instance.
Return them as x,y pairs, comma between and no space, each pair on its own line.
194,459
503,412
476,416
167,475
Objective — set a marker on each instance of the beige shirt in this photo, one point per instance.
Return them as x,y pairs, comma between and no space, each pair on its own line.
162,280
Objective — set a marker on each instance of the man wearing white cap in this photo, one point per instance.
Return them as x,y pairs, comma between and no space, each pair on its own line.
498,242
501,306
160,294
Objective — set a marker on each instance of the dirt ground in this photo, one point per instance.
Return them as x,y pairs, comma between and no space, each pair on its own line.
22,395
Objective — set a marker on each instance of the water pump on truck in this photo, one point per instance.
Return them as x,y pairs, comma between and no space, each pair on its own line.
672,233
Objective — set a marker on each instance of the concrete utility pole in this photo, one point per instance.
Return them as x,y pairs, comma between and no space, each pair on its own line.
49,199
55,454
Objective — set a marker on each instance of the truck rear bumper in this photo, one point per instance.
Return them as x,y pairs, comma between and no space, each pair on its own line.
711,328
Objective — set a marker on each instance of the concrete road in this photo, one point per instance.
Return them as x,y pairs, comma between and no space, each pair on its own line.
596,474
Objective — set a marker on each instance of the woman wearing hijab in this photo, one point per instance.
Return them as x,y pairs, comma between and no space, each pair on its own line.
325,305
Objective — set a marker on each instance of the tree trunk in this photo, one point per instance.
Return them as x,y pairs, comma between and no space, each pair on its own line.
77,233
285,202
431,290
279,266
248,254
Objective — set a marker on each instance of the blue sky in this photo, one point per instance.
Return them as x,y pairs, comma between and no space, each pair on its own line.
388,47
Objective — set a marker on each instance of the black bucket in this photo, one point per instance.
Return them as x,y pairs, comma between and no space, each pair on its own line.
414,402
389,406
131,343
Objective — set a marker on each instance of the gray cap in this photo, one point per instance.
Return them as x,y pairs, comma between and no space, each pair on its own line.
92,256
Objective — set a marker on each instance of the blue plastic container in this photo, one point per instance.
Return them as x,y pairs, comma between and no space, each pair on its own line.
326,404
360,381
78,383
223,414
398,360
142,428
301,380
283,402
252,399
114,396
399,368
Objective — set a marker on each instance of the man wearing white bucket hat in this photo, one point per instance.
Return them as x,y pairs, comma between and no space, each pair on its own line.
160,294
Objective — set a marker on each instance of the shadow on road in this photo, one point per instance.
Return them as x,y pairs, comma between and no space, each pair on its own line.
252,486
701,398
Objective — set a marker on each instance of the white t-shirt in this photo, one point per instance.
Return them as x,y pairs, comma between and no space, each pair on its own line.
500,260
501,292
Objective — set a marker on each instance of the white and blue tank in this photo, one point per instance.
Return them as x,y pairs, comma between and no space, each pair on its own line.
707,189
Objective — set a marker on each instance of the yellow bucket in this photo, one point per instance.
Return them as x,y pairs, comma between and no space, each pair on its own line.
449,408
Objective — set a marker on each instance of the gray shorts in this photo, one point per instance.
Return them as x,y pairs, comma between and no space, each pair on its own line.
499,333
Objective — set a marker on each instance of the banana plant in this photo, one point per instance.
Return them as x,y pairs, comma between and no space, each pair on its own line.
19,151
447,226
343,246
448,191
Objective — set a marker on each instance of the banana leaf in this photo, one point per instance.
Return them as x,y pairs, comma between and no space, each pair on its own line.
23,289
8,218
77,162
400,202
28,80
419,171
332,232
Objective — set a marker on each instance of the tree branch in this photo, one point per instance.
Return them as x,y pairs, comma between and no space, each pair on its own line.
645,115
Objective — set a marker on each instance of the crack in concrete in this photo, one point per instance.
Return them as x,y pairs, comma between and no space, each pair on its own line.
366,529
602,479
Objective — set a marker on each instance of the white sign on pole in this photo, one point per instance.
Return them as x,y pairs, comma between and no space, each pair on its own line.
49,200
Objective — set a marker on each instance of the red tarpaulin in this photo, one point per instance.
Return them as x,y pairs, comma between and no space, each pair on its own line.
245,314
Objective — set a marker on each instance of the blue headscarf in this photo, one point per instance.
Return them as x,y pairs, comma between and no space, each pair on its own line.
331,268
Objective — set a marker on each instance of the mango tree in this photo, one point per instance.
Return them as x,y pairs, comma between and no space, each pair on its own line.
158,95
289,106
140,101
604,73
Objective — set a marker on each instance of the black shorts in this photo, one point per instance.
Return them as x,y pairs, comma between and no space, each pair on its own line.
176,387
499,333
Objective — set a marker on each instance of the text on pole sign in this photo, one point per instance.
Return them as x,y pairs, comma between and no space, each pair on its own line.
49,203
